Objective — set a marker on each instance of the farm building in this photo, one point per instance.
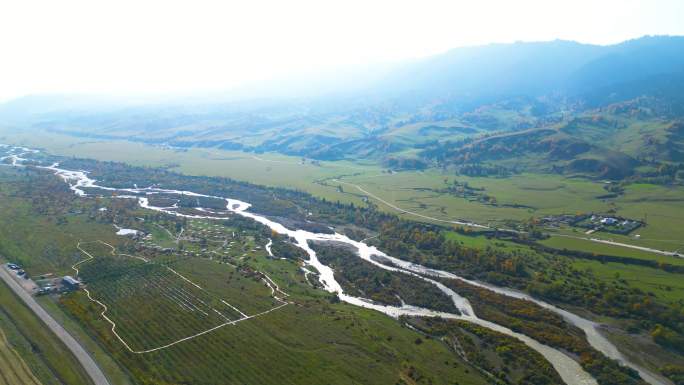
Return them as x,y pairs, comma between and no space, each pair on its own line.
609,221
71,283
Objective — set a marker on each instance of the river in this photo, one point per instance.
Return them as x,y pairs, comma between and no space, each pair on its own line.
569,370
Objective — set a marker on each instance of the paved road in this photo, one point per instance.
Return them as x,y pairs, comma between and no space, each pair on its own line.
81,354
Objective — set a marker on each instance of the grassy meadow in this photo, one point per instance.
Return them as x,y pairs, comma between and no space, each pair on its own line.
666,286
518,197
601,248
265,169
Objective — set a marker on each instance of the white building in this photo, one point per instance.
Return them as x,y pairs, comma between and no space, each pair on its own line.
609,221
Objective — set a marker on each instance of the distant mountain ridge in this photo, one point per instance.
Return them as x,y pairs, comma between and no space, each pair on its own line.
428,111
568,68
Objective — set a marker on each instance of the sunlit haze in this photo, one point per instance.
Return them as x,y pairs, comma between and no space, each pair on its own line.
189,46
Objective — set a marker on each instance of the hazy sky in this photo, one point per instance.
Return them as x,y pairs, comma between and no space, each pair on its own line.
120,46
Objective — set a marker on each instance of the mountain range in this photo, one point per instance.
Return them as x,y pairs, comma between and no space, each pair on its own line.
560,106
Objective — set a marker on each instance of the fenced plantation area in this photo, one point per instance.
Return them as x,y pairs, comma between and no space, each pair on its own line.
151,306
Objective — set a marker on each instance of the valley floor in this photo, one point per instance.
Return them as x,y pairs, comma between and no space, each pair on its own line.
397,186
417,195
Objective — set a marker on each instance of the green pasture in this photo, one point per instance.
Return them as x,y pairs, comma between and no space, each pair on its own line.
518,198
265,169
601,248
664,285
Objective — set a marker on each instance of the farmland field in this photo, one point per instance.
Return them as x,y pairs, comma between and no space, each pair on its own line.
153,305
44,359
13,369
337,340
310,332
